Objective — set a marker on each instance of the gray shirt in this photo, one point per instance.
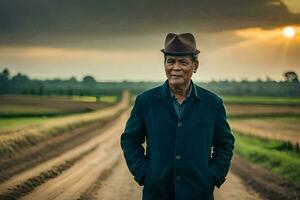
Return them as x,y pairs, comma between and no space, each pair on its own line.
180,107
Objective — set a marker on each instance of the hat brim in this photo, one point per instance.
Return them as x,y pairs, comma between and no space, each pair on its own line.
180,53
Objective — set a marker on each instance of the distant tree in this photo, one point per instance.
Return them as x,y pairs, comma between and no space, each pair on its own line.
6,73
232,80
226,80
88,80
41,90
25,91
70,91
72,80
259,80
268,79
32,90
20,79
291,76
244,80
4,81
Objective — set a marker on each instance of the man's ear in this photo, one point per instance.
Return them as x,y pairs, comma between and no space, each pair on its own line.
196,64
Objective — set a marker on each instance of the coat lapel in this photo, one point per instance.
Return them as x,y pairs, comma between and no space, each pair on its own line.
170,107
166,99
194,98
188,106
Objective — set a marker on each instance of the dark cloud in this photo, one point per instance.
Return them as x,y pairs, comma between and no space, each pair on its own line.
78,23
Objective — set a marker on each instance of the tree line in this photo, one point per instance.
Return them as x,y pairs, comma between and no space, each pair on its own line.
22,85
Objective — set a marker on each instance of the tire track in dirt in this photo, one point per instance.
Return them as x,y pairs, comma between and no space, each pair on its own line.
103,139
103,174
234,188
50,149
73,182
31,183
120,185
76,180
20,158
268,185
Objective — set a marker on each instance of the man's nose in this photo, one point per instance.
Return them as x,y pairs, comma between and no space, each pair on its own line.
176,66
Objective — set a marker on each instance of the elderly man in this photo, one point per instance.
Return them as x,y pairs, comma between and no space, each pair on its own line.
189,143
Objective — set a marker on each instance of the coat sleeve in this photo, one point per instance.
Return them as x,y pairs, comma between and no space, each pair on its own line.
223,145
131,143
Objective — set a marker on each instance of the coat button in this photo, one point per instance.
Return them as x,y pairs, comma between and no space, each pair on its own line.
179,123
178,178
178,157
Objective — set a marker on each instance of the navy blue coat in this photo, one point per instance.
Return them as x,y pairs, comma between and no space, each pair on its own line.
179,162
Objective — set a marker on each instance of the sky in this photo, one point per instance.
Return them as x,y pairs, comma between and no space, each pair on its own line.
115,40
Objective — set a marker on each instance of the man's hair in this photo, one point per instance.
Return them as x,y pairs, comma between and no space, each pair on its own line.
193,56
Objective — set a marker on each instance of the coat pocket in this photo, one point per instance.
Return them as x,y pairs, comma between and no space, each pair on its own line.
211,178
198,174
145,177
208,177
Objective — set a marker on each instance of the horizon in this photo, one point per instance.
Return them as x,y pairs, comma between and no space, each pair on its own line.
265,79
237,39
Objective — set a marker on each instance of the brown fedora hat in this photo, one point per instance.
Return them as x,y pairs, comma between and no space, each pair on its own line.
181,44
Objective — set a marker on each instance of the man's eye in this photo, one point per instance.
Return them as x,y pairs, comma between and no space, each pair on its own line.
170,61
183,62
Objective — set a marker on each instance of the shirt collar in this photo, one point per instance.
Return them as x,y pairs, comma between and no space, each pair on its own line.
165,91
189,92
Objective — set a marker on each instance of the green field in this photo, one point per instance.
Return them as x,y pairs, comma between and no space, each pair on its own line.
275,156
21,111
9,124
107,98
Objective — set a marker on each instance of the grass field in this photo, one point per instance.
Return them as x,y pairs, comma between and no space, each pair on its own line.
10,124
267,132
19,111
37,130
108,99
104,98
272,155
33,106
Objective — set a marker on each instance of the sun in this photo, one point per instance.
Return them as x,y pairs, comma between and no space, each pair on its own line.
289,32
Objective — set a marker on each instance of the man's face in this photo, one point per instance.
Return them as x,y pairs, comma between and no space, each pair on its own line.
179,69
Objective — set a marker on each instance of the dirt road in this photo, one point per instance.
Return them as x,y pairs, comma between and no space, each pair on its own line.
120,185
76,180
95,170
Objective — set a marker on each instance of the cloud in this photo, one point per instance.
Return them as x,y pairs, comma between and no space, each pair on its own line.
97,24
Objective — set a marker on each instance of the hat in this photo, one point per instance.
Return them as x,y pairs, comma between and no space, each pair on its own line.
181,44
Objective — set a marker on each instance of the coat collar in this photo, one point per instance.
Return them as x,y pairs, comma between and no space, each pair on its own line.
165,90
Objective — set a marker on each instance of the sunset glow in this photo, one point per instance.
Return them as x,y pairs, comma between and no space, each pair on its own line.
289,32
